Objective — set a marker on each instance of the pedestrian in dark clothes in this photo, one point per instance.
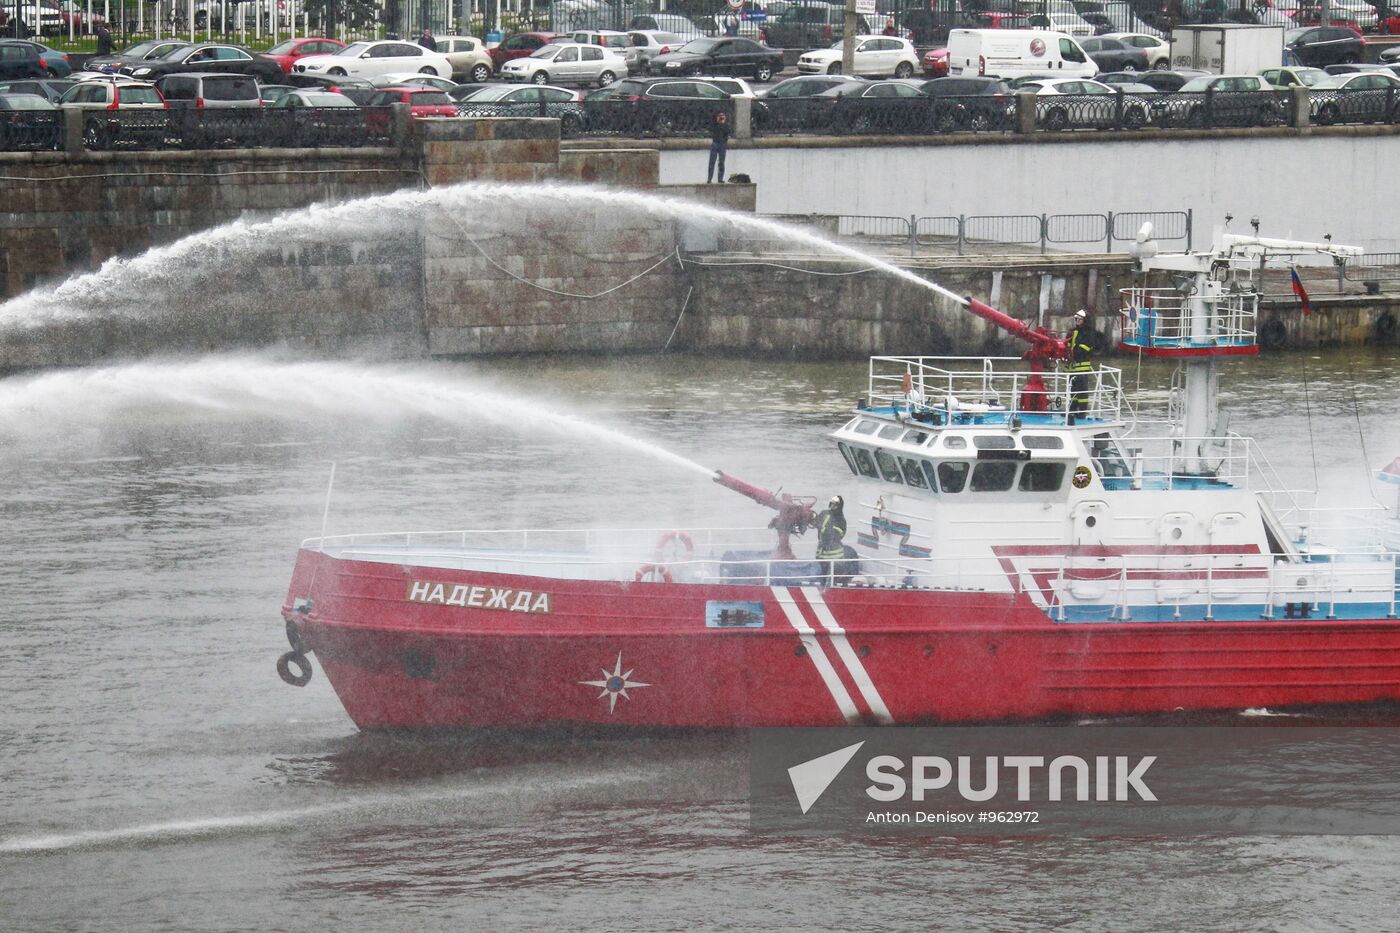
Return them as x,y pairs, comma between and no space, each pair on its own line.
720,131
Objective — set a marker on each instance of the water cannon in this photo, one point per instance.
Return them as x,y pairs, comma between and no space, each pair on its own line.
795,513
1044,347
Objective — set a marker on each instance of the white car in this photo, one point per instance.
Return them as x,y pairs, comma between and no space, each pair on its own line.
1159,51
567,63
649,43
468,56
734,87
367,59
875,56
413,78
1085,110
1071,24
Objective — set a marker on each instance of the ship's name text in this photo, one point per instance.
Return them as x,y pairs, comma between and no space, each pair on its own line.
477,597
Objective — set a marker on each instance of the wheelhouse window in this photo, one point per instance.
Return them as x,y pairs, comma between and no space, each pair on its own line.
914,437
912,474
890,432
888,467
955,442
864,463
847,456
1042,476
866,427
1043,442
952,476
993,476
994,442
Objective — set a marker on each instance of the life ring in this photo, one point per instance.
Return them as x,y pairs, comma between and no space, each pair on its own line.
653,573
303,675
1273,334
1385,328
676,537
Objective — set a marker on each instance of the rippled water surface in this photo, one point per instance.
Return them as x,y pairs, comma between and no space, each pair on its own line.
157,773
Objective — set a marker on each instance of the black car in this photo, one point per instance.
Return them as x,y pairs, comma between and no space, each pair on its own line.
797,104
1113,55
893,106
1320,46
226,59
661,106
727,56
19,60
1167,82
974,103
135,54
810,25
28,121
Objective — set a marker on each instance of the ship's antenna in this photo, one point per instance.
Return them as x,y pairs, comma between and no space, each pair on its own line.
1361,436
326,513
1307,407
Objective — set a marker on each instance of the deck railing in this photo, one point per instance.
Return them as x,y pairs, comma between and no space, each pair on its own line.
988,388
1161,318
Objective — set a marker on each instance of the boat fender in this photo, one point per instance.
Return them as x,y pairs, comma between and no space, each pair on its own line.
676,537
653,573
284,668
1273,335
294,638
1385,328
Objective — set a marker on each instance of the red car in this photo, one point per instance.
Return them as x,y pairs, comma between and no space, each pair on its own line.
285,53
422,101
936,63
520,45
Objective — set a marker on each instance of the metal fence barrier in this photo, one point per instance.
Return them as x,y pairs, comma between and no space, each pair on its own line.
962,232
1373,267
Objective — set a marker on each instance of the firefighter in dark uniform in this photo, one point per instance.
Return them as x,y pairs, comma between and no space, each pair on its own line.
831,529
1081,364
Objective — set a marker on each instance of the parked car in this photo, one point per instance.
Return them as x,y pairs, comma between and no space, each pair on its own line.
649,43
19,60
656,105
366,59
734,87
617,41
1113,55
875,57
520,45
797,104
673,23
1164,82
188,96
1095,105
286,54
469,58
1111,18
55,61
119,111
810,24
272,93
421,101
51,89
504,100
395,79
894,106
1071,24
40,20
935,63
28,121
1236,100
1157,50
719,56
311,118
76,16
225,59
140,52
970,103
567,63
1324,45
1292,77
1367,97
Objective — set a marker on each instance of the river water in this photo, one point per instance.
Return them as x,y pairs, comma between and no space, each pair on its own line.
156,773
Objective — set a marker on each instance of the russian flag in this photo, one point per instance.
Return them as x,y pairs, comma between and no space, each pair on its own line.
1301,292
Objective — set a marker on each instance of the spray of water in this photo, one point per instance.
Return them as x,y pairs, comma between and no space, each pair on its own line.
249,386
158,282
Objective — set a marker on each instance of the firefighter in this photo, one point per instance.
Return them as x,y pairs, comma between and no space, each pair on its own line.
831,529
1081,364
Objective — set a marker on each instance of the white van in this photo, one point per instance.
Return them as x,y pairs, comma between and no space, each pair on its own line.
1010,53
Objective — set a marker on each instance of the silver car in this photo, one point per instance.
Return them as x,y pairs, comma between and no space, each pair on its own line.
567,63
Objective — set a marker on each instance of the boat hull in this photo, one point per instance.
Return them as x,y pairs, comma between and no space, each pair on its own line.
426,648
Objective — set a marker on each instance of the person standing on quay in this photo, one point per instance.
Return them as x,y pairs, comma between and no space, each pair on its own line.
427,41
719,145
104,39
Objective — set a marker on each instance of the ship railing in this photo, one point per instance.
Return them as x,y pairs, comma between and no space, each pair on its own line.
630,540
980,389
1359,529
1162,318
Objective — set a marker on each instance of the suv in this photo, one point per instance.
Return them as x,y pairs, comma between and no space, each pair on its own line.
970,102
657,105
235,100
119,111
19,60
809,25
1320,46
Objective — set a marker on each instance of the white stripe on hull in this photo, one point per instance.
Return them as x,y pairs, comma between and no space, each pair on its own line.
818,655
848,655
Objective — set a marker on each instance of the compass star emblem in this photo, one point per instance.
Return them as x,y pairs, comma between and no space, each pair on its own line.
614,684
